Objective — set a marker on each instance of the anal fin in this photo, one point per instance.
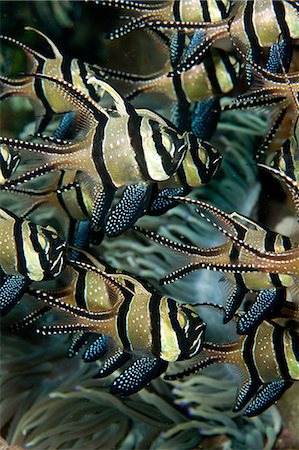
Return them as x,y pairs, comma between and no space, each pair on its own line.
137,376
130,207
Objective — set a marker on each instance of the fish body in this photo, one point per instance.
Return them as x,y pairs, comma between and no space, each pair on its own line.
147,329
251,26
34,252
46,102
123,147
215,76
268,358
253,257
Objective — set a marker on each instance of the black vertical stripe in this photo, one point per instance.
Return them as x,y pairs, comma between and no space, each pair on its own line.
275,280
200,166
83,75
37,247
39,90
288,159
248,357
295,343
66,69
278,344
80,199
222,8
134,125
229,67
279,9
173,316
80,289
211,73
286,242
18,236
97,153
122,322
269,240
176,10
154,309
182,176
166,158
179,92
205,10
235,250
250,31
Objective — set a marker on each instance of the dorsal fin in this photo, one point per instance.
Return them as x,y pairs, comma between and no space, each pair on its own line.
115,285
123,107
56,52
155,116
88,112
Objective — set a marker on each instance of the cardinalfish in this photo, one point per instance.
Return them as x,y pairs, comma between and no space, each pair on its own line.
167,11
28,253
254,259
215,76
46,102
286,159
147,330
68,193
268,358
119,147
251,26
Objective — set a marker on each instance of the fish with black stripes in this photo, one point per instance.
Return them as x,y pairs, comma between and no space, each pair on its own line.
28,253
45,101
252,30
140,328
252,26
286,159
253,258
269,361
67,193
180,11
217,75
115,148
9,161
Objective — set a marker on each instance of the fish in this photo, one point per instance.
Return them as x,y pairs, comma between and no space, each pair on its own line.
254,258
250,26
268,358
171,10
123,147
148,331
45,101
28,253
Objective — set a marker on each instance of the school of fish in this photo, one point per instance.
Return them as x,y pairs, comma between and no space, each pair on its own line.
108,162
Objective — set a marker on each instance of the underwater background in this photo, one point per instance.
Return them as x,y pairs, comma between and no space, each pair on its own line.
51,402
